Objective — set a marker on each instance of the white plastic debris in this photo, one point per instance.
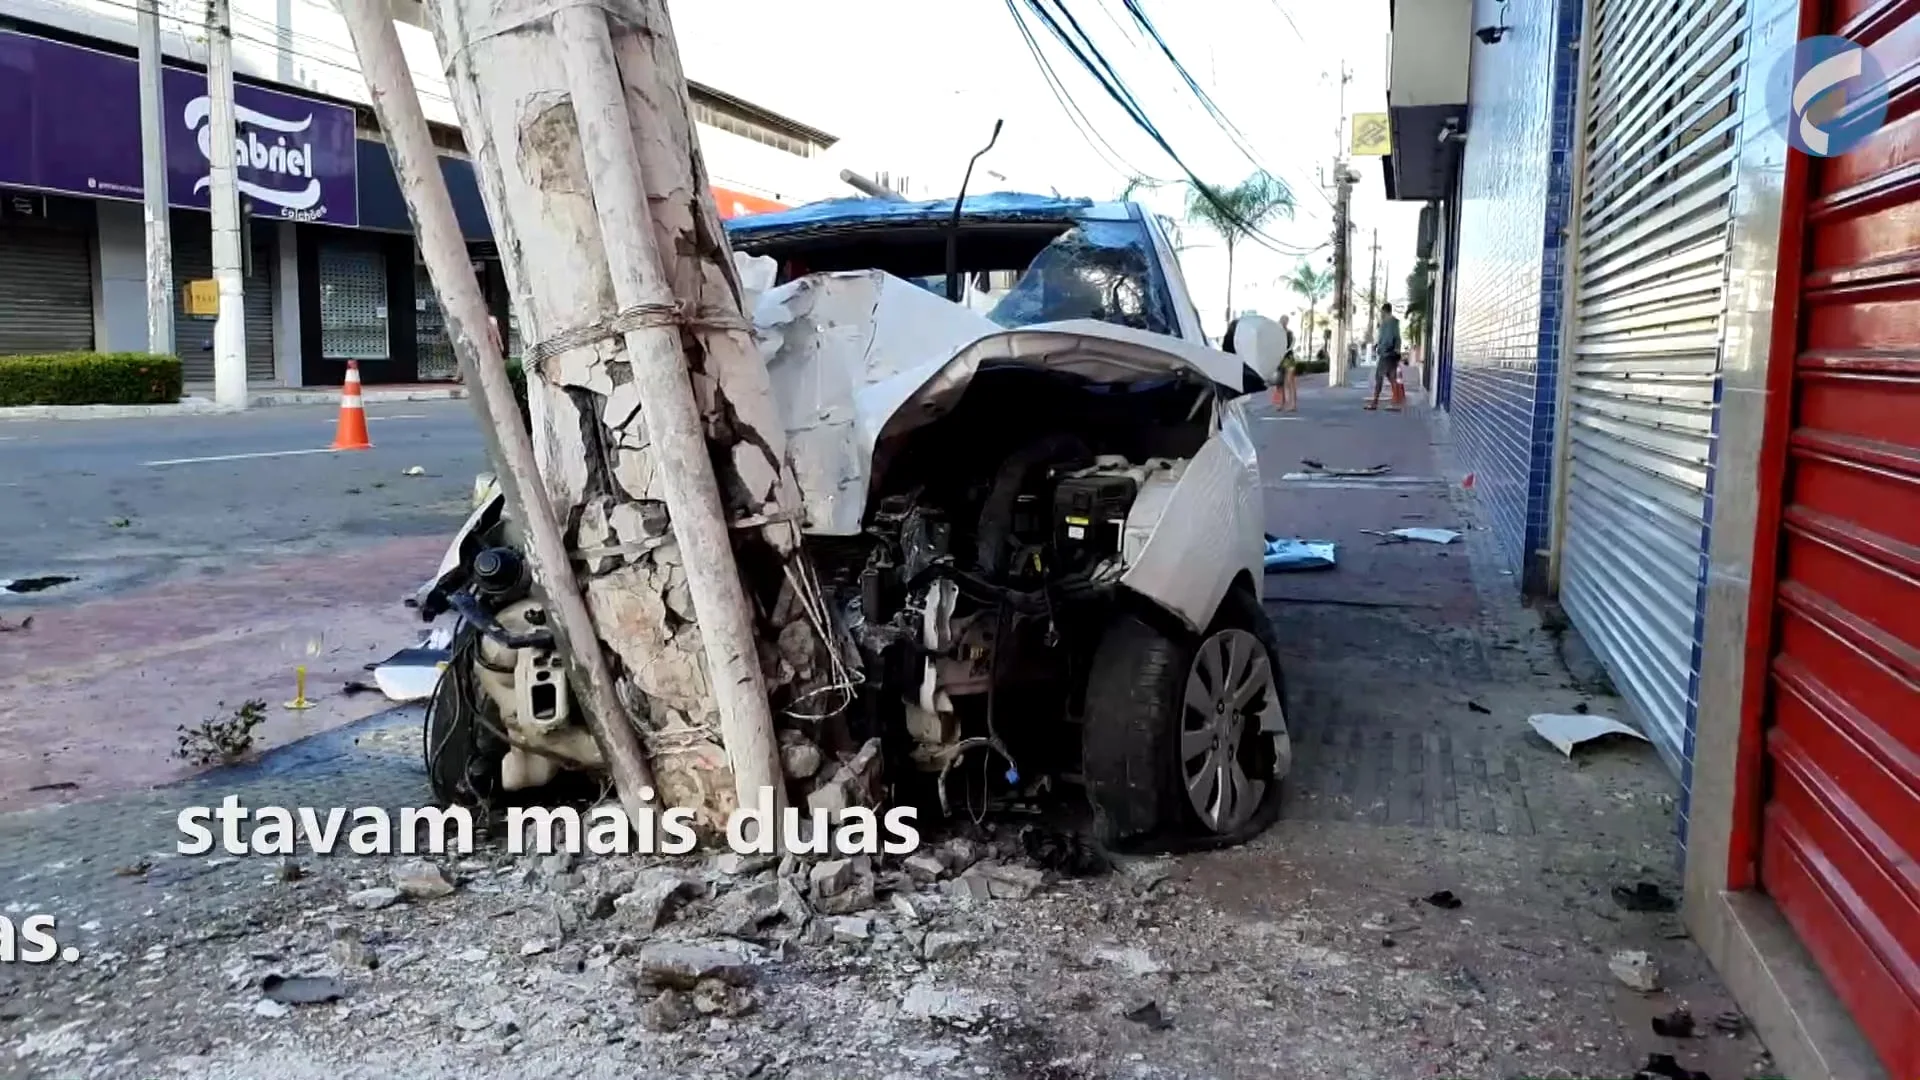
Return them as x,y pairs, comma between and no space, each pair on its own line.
1430,536
416,470
407,682
1635,970
1567,731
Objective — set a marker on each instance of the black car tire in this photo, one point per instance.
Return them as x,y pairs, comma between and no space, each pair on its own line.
1132,727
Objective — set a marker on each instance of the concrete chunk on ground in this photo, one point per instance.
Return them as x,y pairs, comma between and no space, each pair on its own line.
421,881
654,898
682,966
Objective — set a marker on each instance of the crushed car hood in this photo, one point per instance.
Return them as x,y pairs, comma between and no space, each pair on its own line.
859,357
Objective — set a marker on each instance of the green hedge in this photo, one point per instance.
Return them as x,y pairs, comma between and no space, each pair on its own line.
89,379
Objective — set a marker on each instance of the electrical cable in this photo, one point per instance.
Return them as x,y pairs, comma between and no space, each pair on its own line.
1235,135
1290,23
1116,89
1094,140
190,27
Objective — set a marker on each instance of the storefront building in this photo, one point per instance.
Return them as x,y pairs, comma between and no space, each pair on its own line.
1681,342
332,273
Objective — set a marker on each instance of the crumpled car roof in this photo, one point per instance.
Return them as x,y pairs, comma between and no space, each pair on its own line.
859,211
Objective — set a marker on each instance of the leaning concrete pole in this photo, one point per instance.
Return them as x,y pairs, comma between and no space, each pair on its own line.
655,428
437,231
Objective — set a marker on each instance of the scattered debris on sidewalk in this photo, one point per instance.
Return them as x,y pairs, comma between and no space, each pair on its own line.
1567,731
1444,900
1635,970
1316,468
410,674
35,584
1645,896
302,989
1677,1024
1424,535
1149,1016
1730,1023
1664,1067
1295,554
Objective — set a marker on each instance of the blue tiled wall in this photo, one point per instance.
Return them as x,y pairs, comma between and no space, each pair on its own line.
1516,198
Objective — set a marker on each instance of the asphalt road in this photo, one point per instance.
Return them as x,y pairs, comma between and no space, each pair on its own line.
122,504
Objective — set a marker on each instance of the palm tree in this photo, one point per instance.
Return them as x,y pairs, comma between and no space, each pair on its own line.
1238,212
1419,301
1313,286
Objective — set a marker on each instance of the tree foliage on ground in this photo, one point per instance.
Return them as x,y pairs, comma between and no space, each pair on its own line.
1239,212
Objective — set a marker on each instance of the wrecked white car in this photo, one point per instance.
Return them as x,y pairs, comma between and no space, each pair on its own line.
1037,514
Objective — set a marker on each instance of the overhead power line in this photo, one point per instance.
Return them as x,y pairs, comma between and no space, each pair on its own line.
1078,118
1088,55
1234,134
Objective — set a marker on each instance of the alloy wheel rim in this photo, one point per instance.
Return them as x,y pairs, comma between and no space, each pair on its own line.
1229,690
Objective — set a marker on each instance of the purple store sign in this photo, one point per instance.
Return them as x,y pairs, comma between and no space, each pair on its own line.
70,122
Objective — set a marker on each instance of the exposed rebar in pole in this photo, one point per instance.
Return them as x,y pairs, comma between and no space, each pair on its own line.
153,175
868,187
229,325
478,349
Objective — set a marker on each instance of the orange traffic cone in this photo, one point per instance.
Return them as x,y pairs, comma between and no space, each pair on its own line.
352,432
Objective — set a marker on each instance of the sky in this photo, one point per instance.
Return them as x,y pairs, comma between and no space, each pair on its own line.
913,87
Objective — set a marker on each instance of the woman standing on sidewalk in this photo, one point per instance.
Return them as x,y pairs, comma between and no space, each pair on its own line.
1286,388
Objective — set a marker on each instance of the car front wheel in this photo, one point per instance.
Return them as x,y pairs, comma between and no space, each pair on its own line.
1185,740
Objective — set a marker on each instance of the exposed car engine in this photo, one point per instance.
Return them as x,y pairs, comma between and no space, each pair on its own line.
957,594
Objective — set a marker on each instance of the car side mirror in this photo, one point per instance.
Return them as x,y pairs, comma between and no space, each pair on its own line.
1233,328
1242,339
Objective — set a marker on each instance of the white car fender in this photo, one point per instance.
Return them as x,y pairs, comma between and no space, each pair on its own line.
1192,530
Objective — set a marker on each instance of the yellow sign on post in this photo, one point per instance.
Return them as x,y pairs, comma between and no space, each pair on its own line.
1371,135
203,297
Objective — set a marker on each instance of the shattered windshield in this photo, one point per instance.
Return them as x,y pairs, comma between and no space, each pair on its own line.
1097,270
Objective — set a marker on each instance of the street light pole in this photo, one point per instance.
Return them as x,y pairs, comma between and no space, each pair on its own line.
229,326
153,175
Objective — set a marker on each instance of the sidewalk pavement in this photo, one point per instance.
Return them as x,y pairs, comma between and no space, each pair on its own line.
194,404
1437,900
93,693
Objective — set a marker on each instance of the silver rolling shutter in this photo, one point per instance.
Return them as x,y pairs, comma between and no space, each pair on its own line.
46,289
193,335
433,349
353,301
1661,134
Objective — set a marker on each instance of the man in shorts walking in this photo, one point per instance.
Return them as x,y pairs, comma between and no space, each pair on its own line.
1386,371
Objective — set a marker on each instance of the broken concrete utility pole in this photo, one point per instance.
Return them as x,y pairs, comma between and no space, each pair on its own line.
410,144
657,437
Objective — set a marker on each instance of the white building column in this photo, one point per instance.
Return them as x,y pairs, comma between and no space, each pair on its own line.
286,305
120,278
